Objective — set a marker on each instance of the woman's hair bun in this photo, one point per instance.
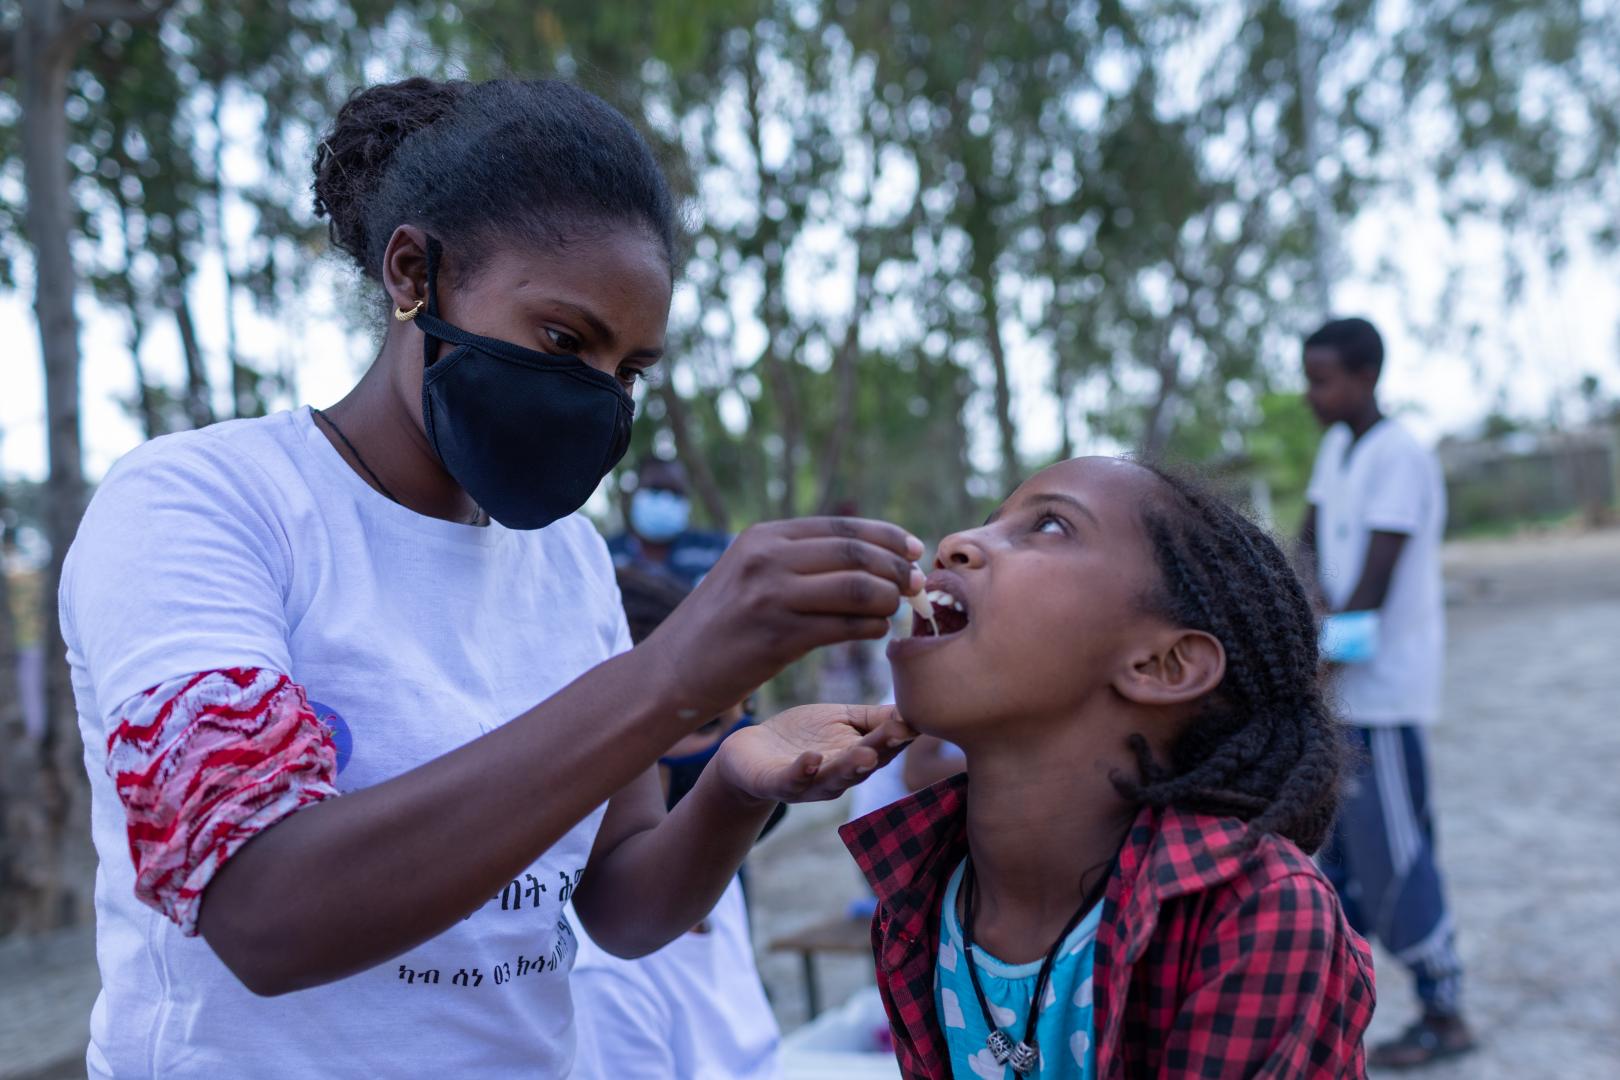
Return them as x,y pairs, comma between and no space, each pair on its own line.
351,159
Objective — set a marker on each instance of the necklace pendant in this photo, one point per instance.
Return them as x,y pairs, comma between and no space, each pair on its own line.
1023,1058
1000,1047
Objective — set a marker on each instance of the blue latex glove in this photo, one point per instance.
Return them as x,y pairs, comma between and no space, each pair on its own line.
1350,637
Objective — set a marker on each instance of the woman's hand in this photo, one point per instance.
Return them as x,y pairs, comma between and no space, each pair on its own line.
781,590
811,753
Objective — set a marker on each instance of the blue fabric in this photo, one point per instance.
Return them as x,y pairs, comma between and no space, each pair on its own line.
1350,637
1381,859
659,516
1063,1032
692,554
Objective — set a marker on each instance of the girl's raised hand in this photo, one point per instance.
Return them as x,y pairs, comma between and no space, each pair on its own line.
813,752
782,589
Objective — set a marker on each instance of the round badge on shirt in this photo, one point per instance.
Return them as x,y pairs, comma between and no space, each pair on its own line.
342,738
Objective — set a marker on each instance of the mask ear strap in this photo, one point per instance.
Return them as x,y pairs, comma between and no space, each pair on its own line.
428,338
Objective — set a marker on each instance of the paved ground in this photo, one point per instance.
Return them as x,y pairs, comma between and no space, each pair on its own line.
47,986
1527,774
1527,770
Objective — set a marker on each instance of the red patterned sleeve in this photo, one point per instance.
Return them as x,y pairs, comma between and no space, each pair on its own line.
204,763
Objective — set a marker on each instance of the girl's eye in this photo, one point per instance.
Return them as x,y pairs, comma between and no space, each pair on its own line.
1049,523
632,375
562,340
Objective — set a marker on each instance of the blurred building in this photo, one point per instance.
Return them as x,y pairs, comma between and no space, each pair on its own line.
1525,477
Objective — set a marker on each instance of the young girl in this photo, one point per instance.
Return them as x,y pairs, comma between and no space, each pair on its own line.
1119,886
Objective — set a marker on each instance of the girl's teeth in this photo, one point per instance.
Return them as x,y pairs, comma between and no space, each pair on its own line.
945,599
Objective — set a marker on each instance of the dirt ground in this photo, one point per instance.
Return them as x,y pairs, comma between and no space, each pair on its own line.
1527,777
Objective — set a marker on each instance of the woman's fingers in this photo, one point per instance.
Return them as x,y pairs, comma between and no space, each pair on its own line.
833,629
843,771
881,533
848,592
826,554
878,723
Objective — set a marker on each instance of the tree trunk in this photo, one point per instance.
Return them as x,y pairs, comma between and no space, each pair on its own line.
1010,469
244,380
199,407
146,400
846,370
47,39
1156,425
780,366
1324,253
981,229
21,827
1063,379
686,449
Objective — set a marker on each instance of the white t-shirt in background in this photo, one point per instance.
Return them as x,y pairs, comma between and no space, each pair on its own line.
253,544
693,1010
1386,482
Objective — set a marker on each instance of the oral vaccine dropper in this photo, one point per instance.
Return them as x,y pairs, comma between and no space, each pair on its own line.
924,607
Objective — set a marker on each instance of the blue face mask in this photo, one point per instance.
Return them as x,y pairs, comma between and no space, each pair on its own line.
659,516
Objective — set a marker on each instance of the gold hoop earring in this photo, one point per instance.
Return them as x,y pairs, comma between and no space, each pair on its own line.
406,316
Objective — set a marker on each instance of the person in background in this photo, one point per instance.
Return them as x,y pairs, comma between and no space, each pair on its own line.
1377,509
695,1008
658,538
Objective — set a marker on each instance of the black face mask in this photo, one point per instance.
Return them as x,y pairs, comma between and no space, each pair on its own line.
685,770
527,434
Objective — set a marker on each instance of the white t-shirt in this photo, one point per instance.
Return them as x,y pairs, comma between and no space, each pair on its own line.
1386,482
693,1010
253,544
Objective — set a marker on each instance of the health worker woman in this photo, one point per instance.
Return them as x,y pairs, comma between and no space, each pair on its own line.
359,705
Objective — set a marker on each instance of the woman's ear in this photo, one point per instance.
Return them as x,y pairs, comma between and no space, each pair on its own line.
1178,667
404,267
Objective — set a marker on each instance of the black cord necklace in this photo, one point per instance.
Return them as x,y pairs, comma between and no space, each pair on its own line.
1023,1056
382,487
477,514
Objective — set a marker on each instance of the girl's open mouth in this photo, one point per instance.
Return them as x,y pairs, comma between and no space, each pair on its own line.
950,619
950,616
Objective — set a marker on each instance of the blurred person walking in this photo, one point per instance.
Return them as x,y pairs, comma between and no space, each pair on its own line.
1373,529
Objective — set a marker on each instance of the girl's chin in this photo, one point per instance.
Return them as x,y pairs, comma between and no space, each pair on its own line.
932,709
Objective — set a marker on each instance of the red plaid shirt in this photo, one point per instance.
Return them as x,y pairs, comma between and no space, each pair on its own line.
1209,963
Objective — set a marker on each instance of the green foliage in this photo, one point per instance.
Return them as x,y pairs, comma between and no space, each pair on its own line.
1283,448
900,211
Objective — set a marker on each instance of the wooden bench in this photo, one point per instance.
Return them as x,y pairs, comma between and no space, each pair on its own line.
847,934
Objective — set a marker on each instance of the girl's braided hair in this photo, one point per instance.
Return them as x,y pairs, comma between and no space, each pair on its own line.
1265,747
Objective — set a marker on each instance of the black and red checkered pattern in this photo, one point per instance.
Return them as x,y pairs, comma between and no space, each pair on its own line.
1211,961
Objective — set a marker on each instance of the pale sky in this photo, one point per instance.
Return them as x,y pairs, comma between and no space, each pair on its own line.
1562,329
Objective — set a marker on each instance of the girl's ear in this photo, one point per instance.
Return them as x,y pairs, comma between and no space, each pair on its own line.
1178,667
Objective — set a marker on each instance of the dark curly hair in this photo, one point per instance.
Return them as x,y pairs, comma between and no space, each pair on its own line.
1265,747
1356,340
484,164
